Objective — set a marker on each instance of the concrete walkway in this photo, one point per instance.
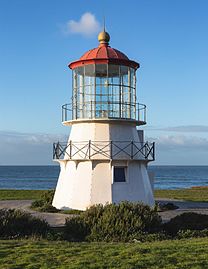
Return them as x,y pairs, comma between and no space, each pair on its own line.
58,219
54,219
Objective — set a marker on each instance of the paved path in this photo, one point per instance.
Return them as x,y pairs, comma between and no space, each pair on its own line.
58,219
54,219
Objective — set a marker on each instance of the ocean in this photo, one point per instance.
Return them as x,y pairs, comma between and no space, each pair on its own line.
45,177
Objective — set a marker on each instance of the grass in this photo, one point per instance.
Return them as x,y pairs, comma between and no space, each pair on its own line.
20,194
31,254
195,194
71,212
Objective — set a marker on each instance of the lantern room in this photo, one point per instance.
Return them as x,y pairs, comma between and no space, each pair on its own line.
104,86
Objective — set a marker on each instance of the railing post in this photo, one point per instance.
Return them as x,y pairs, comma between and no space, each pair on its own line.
72,109
137,111
111,149
70,149
54,150
153,147
91,108
132,149
57,151
89,149
145,148
62,114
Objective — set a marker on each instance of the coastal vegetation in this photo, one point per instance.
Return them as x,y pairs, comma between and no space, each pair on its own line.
127,235
169,254
195,194
125,221
20,194
44,203
15,223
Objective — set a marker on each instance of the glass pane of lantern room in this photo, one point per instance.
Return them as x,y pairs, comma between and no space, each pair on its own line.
80,92
125,92
133,95
114,90
74,93
101,94
89,82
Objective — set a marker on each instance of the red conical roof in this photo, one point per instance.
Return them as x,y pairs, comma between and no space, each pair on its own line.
104,51
104,54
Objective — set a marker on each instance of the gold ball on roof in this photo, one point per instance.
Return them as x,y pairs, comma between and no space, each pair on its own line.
103,37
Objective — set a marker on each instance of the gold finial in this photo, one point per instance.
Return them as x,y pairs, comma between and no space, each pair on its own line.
104,23
103,36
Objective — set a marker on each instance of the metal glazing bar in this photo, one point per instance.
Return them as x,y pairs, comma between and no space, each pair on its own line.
89,149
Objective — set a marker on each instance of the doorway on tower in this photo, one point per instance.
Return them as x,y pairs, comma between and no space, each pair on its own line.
119,173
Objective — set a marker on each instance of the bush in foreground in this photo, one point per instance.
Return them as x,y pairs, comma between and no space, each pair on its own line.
16,223
186,221
166,206
123,222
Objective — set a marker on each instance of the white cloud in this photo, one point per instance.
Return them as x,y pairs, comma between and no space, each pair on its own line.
27,148
87,25
177,142
180,150
182,128
187,128
36,149
29,138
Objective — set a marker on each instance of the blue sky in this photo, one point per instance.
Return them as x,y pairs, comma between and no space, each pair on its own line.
39,38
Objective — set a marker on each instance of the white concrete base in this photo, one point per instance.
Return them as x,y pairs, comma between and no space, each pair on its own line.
82,184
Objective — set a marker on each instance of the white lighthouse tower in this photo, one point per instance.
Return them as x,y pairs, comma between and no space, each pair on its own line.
105,159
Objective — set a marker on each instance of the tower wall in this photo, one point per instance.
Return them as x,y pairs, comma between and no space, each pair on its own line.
137,187
85,131
107,140
83,183
74,185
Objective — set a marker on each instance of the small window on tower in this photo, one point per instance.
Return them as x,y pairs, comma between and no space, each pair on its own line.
119,174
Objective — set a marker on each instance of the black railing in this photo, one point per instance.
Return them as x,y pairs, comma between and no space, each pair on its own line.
103,110
114,150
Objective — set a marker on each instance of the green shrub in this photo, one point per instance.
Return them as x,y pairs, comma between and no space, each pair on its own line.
166,206
186,221
37,203
45,203
48,208
47,196
16,223
122,222
76,229
147,237
192,234
71,212
119,222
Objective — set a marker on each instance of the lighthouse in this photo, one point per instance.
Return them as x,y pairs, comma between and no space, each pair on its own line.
105,158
